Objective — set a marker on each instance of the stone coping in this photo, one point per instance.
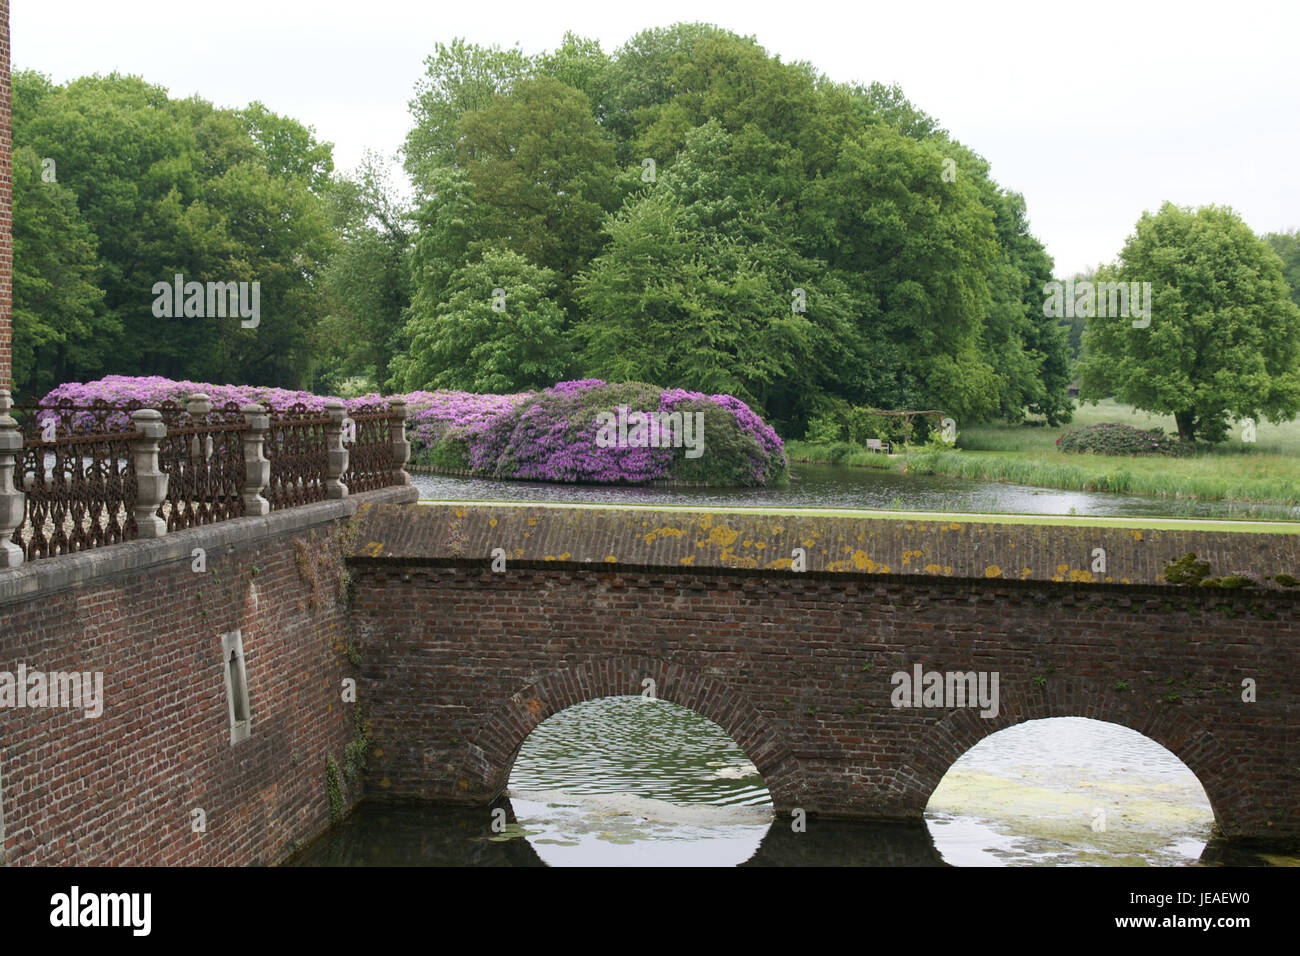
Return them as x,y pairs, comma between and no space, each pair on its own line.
49,575
855,544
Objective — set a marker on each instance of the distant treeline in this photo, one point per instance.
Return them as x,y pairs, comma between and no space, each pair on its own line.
686,210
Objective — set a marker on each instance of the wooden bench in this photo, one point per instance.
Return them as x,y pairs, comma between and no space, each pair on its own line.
875,444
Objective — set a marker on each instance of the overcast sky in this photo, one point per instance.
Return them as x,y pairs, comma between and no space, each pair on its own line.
1094,111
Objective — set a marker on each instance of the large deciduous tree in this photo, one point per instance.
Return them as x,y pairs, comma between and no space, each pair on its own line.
167,186
1223,337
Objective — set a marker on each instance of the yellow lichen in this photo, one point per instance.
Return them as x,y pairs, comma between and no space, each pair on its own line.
862,563
993,571
723,537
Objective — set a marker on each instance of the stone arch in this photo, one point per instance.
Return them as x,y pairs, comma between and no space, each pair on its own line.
491,751
1174,727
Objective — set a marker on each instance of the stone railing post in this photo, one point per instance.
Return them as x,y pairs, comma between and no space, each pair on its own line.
397,436
198,406
150,480
338,455
12,501
257,467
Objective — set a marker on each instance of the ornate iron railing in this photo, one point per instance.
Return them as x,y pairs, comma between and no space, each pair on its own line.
297,448
92,475
77,476
203,457
371,464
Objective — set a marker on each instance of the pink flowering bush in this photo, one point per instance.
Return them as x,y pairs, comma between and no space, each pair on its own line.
548,435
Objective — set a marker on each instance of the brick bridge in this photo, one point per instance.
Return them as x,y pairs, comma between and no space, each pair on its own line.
454,663
463,661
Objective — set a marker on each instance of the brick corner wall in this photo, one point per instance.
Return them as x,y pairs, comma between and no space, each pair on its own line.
6,207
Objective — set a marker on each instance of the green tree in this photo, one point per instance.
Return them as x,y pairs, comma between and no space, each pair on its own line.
58,321
499,330
1223,338
176,186
696,289
917,250
368,279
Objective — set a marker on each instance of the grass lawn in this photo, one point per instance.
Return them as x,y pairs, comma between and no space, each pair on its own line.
1264,472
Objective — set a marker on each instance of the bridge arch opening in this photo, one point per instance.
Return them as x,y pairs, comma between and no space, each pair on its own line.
1069,791
637,780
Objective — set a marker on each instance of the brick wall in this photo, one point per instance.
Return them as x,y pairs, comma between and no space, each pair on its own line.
122,788
6,207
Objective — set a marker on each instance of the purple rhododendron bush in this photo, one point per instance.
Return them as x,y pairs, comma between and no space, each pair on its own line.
554,434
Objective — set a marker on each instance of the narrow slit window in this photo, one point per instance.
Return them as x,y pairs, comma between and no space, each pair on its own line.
236,675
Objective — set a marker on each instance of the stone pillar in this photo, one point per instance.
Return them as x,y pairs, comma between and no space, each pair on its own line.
12,501
198,406
397,436
150,481
257,469
338,455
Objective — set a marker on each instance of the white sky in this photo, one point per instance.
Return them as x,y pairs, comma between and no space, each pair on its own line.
1094,111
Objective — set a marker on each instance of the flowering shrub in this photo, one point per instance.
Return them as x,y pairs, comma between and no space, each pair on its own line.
1115,438
549,435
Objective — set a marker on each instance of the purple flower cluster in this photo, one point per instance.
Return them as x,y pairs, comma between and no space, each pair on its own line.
577,385
549,435
769,461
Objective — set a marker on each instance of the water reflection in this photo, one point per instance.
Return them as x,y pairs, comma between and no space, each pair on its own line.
637,781
1070,791
626,781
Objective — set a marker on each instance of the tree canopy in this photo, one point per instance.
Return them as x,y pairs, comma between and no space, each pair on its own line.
718,219
1223,338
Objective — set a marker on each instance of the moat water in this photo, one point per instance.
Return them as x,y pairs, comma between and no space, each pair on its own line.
844,486
628,781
